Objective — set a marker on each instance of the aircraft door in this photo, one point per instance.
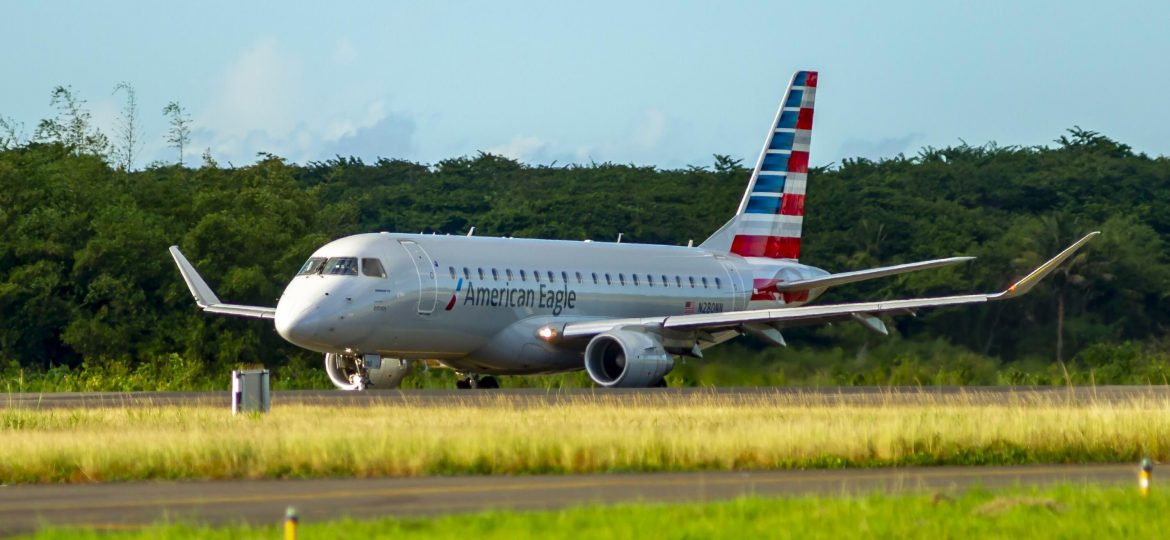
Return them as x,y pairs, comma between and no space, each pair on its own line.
428,283
739,298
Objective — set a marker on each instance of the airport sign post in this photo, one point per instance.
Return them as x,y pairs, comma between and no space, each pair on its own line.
250,391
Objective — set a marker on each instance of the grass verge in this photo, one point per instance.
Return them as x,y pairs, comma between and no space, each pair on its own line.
581,435
1061,512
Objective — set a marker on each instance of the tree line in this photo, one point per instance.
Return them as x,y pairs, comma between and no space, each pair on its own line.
85,277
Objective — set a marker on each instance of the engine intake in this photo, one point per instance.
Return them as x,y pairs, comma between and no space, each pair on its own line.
346,373
626,359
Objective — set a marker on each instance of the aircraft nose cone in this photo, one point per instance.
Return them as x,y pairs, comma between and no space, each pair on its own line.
299,327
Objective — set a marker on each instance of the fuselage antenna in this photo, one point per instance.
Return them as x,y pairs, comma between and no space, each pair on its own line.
471,232
619,238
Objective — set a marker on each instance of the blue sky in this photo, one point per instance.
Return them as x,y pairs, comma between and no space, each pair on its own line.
652,83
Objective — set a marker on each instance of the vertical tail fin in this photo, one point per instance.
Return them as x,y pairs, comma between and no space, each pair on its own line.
771,214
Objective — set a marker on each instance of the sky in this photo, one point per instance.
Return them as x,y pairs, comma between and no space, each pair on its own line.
659,83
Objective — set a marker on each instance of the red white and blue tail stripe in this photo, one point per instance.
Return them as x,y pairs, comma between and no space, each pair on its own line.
769,220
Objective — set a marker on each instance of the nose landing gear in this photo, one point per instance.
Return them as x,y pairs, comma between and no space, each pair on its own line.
467,382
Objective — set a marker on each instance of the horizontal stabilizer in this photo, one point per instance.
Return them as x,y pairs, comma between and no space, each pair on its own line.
863,275
205,298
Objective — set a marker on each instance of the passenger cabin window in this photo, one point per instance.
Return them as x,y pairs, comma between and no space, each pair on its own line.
466,273
509,273
495,275
607,281
692,278
312,266
635,276
452,268
704,283
536,275
480,273
718,284
565,276
650,280
551,277
373,268
523,276
622,279
341,266
665,282
579,280
678,281
595,278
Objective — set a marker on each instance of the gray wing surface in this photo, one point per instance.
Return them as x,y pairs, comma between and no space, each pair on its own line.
817,314
206,298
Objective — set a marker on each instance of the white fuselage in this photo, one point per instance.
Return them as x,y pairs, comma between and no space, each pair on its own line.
476,303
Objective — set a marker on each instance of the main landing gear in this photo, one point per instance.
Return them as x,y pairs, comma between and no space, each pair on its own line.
475,381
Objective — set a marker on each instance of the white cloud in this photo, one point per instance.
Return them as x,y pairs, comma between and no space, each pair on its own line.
389,137
259,92
524,149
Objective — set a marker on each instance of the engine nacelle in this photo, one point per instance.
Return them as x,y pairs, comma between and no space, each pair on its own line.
374,371
626,358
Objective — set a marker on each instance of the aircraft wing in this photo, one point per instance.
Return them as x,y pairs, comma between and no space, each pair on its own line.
207,299
816,313
862,275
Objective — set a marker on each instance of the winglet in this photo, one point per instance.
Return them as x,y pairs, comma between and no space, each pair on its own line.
1024,285
203,294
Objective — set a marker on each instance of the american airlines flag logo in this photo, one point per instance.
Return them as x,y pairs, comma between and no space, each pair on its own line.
773,214
689,308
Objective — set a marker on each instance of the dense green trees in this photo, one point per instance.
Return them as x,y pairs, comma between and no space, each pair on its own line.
85,277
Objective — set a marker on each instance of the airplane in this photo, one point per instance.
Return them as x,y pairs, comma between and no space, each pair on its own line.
624,312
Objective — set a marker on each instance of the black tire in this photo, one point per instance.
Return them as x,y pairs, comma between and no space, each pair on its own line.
488,382
463,384
660,384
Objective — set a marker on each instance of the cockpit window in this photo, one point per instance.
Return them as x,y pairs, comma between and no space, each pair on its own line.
341,266
373,268
312,266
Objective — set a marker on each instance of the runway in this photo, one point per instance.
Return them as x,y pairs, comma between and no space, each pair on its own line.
856,395
114,506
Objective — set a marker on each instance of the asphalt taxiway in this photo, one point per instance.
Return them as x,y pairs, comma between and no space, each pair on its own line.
25,508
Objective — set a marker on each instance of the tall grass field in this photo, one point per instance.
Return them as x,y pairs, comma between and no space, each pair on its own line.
581,434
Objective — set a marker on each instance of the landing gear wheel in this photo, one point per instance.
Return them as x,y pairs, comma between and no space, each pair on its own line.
463,384
660,384
488,382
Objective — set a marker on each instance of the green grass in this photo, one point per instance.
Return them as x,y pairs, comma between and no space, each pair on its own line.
585,434
1061,512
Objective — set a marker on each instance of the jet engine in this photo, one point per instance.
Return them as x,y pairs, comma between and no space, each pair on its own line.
626,358
351,372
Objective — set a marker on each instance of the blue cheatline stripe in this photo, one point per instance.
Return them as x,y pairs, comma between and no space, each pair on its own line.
775,162
787,119
781,141
459,286
794,98
767,183
763,205
801,78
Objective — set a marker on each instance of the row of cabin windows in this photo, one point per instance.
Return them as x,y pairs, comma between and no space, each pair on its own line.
538,276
